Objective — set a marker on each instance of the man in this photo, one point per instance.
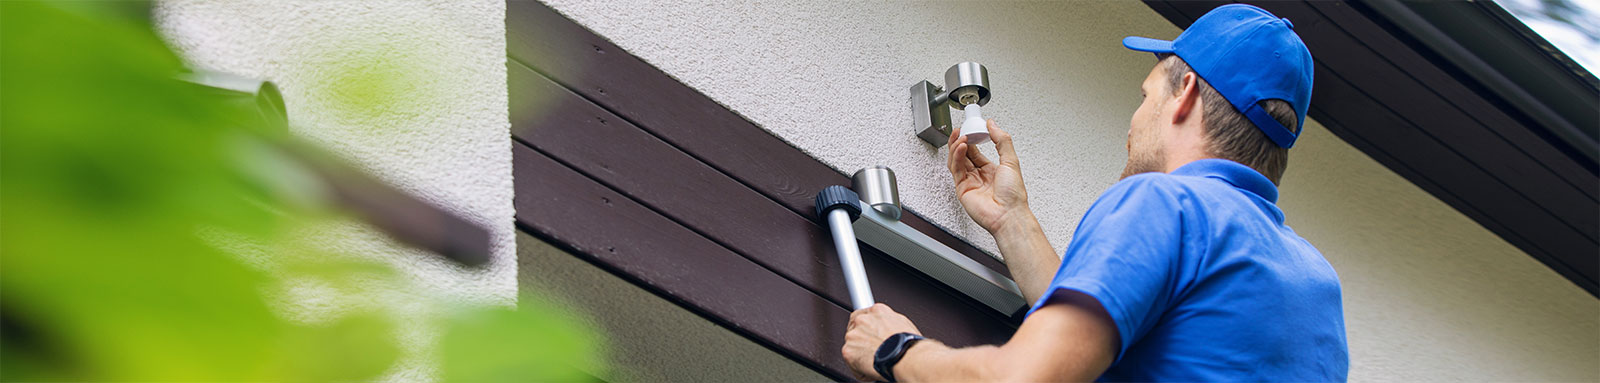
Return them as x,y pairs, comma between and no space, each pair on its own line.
1183,270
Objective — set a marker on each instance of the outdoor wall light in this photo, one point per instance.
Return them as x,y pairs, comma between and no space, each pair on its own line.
968,85
877,189
871,213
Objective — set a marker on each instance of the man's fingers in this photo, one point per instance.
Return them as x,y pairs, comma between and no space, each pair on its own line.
1002,144
956,154
953,160
977,158
873,309
960,165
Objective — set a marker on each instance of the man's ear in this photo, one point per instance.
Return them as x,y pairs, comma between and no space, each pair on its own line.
1188,98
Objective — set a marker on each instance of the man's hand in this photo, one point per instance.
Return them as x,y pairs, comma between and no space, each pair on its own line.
867,329
1070,339
991,192
993,195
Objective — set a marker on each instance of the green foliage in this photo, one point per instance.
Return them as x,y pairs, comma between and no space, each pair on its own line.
476,344
112,169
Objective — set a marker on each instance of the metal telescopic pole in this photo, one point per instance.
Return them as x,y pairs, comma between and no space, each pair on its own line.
840,206
844,241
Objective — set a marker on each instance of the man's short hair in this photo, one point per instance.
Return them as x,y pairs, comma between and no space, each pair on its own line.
1229,135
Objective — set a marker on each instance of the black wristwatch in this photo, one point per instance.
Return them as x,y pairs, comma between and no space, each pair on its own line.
890,352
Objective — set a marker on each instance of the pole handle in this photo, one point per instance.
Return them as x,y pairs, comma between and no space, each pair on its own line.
839,206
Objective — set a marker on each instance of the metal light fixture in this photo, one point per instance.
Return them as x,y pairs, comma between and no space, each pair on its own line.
871,214
968,85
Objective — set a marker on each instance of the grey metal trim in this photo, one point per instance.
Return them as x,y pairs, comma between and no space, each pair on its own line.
944,264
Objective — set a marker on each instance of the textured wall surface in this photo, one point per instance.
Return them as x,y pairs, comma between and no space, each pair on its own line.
428,113
832,78
1429,294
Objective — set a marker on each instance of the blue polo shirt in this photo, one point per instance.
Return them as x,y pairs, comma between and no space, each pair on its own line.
1205,282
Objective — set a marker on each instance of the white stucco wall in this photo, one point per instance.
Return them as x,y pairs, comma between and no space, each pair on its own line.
433,120
1429,295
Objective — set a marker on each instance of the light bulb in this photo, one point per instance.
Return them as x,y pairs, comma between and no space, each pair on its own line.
975,128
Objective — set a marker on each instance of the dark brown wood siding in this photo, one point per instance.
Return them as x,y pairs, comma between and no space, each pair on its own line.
621,165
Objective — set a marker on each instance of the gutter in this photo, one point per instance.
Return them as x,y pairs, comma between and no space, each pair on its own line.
1525,71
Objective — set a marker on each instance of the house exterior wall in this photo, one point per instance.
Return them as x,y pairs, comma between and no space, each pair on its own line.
413,92
1429,294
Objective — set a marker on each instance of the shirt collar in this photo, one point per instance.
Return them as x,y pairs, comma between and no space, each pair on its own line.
1233,173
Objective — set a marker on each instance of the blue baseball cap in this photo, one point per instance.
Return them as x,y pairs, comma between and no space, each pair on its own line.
1248,55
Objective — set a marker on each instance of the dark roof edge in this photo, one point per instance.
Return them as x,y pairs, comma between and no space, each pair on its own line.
1533,37
1527,73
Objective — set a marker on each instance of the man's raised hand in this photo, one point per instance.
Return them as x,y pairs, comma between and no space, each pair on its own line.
991,192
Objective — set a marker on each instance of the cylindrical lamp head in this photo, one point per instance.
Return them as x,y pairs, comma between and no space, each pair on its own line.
968,83
876,186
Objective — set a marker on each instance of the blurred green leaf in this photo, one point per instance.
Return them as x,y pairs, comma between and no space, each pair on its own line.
109,168
112,169
538,342
355,348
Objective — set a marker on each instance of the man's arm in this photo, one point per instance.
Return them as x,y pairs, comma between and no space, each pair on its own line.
1033,263
993,195
1069,339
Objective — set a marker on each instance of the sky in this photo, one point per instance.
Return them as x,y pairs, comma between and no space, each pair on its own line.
1573,26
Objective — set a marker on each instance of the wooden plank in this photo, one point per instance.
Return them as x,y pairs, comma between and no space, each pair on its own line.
620,155
616,233
677,114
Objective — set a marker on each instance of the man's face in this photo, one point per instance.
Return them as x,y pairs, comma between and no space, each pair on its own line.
1146,152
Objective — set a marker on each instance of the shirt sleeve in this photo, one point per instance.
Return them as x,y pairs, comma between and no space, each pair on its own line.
1125,253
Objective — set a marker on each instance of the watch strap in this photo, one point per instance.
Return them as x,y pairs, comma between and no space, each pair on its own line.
891,351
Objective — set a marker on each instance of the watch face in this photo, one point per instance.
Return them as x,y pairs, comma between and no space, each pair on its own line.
887,349
890,352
